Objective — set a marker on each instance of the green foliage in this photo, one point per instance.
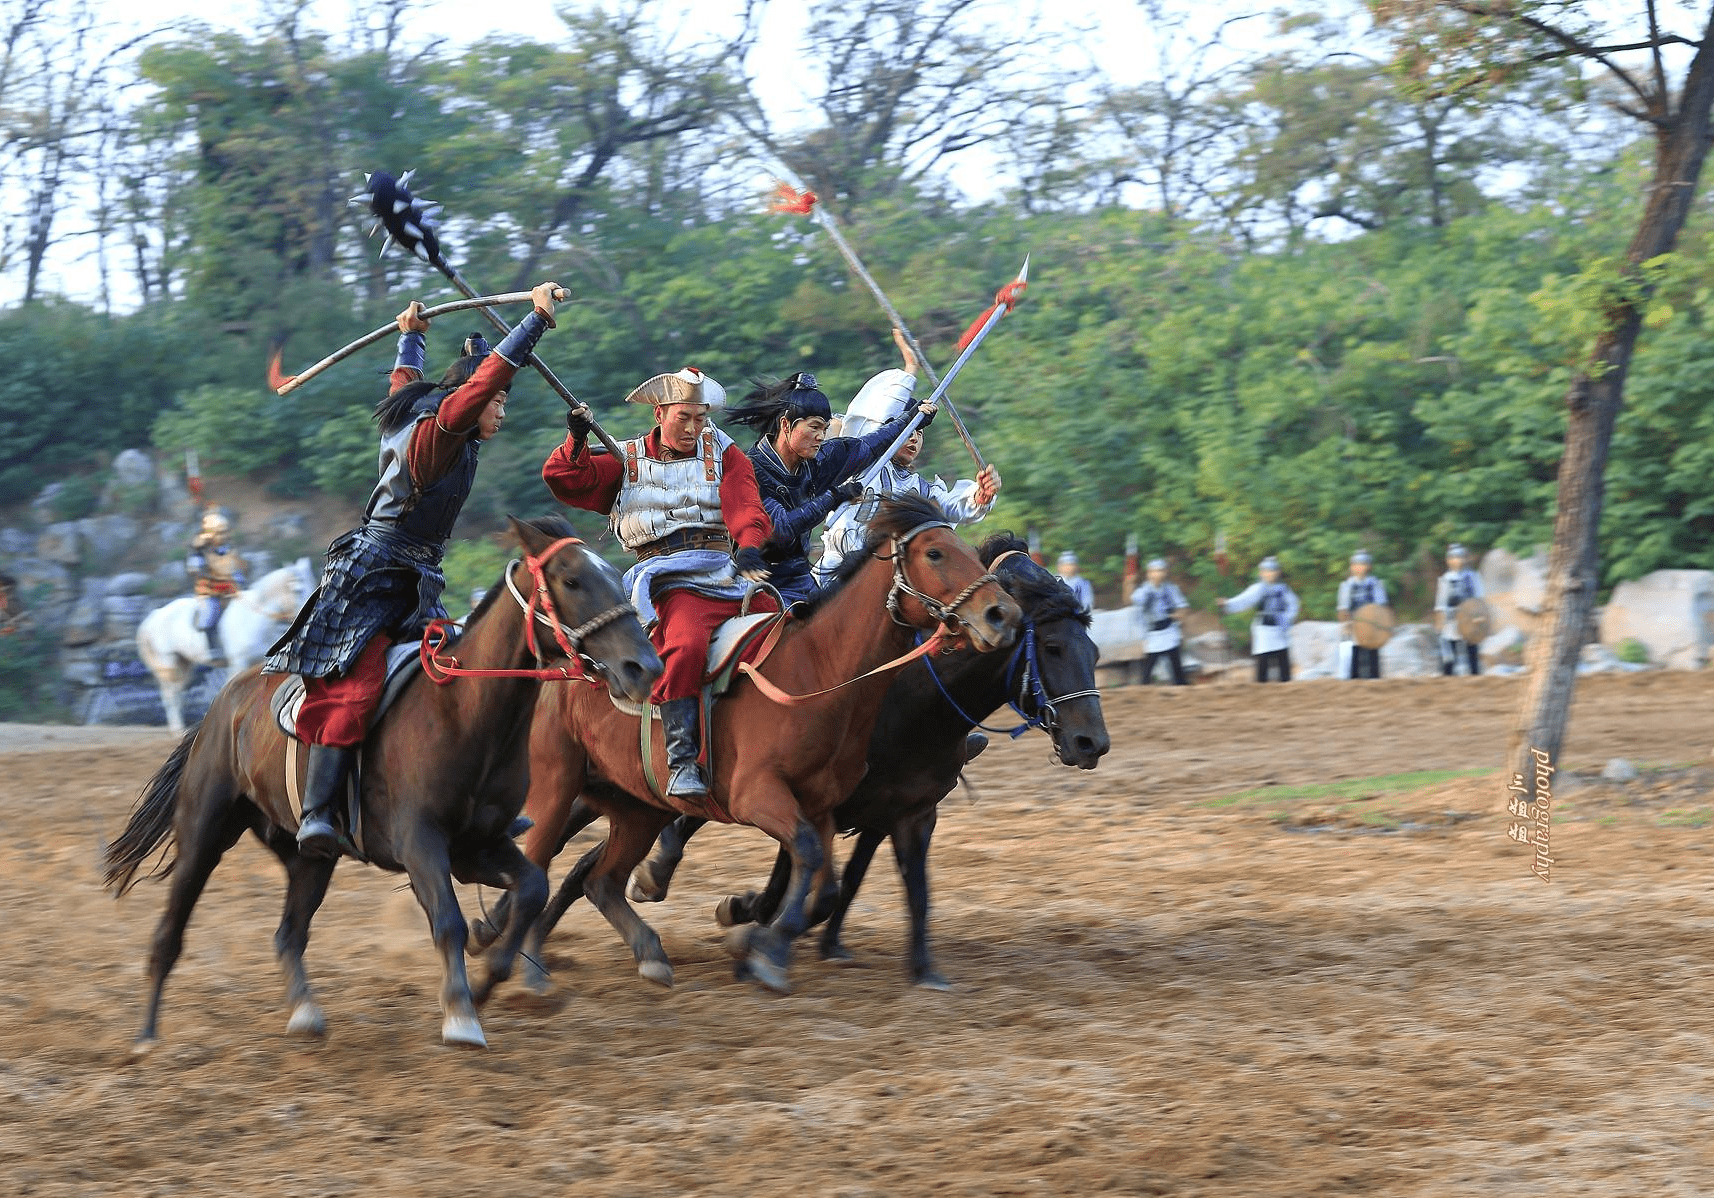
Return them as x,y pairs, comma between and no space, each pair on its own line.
234,430
78,496
30,689
471,564
1633,651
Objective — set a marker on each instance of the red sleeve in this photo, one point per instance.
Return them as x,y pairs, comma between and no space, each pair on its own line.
741,501
401,376
584,480
436,443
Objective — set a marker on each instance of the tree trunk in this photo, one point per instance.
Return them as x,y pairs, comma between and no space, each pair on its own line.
1592,406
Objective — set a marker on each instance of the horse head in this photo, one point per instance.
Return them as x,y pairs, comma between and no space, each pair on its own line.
1054,679
584,604
937,578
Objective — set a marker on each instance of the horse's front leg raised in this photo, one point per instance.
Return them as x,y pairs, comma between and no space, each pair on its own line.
500,863
651,879
429,865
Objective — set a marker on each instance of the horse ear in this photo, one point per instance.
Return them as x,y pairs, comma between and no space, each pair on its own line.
531,540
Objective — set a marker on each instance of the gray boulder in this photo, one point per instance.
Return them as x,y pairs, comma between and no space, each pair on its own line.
43,581
133,582
133,468
15,542
108,538
1413,652
1315,649
61,543
174,498
120,616
1671,612
1598,659
1619,769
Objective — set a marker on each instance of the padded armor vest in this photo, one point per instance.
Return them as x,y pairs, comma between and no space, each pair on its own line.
430,514
658,497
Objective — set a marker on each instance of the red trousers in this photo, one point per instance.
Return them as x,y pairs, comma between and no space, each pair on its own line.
680,635
336,709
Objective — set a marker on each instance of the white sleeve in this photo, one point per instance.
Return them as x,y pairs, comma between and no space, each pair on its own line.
1343,603
1440,594
1177,600
1291,605
1475,583
1381,593
959,500
1246,598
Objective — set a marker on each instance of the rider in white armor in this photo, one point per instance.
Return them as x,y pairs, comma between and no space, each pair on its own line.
884,398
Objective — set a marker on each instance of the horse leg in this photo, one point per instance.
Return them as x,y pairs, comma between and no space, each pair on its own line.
484,931
910,849
856,866
758,906
766,950
429,865
630,834
500,863
570,890
306,886
204,834
650,880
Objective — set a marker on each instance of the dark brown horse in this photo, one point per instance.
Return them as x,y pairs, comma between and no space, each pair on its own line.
443,776
780,768
916,753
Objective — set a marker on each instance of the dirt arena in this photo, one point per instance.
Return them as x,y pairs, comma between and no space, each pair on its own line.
1198,970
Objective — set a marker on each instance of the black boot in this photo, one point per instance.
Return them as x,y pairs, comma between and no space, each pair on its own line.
678,720
973,746
324,791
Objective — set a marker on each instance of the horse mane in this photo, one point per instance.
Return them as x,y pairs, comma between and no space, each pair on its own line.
553,526
897,515
1042,594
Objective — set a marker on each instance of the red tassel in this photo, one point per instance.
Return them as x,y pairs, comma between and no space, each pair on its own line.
1007,297
194,485
277,379
790,201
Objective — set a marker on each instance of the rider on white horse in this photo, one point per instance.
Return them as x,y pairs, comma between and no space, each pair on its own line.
218,569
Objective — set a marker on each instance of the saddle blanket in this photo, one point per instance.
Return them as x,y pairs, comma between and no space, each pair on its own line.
404,662
738,639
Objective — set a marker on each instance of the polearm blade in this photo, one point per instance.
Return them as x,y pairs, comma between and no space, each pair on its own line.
284,385
1004,301
805,203
409,220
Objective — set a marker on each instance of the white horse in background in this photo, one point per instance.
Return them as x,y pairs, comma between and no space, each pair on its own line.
172,646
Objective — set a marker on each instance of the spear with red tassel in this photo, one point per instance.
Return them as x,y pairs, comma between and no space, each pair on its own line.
794,202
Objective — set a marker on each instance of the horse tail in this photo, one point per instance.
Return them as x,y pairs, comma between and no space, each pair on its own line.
151,822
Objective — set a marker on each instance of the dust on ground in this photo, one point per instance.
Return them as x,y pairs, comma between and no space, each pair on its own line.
1198,970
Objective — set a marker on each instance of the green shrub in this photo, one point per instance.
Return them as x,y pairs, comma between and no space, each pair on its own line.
1633,651
470,565
79,496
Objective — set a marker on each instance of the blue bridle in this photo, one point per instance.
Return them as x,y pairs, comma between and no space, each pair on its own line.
1028,684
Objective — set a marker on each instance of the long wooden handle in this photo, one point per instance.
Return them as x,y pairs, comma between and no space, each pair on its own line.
473,301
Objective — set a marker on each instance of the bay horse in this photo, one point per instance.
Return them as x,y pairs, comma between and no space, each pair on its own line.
778,767
443,775
171,645
1048,681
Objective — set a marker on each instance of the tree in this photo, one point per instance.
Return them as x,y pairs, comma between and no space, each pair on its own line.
1455,45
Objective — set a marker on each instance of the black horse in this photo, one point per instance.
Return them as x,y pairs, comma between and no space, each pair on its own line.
1048,680
444,775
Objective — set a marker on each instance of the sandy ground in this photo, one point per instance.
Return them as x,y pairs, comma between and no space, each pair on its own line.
1178,974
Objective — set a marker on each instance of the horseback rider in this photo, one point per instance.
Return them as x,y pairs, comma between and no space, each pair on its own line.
801,474
383,580
1360,590
1454,587
884,398
218,572
683,496
1276,607
1162,606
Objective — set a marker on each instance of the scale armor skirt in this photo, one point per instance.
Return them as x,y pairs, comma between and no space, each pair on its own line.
375,581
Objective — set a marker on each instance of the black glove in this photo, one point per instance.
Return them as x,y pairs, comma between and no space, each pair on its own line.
928,416
579,424
849,490
748,559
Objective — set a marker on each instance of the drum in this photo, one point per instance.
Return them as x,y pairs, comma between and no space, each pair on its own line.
1474,620
1372,625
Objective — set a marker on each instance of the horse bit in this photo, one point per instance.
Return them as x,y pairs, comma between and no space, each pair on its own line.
945,613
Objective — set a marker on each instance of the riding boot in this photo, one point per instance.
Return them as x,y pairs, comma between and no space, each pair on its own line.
678,720
324,790
973,746
216,654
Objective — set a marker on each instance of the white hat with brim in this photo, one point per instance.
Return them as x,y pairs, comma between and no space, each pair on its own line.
689,385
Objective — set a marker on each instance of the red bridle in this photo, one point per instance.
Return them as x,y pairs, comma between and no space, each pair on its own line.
442,667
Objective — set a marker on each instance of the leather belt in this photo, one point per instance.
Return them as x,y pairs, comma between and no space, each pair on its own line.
674,542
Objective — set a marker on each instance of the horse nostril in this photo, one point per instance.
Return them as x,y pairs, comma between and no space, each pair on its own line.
995,615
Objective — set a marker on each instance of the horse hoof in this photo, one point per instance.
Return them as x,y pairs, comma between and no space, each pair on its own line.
142,1046
730,913
931,979
464,1031
838,954
645,886
537,981
738,942
307,1020
767,974
482,934
658,972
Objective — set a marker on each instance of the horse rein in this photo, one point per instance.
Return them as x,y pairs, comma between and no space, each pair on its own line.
945,613
538,609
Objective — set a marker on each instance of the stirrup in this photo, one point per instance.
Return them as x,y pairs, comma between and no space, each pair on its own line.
317,837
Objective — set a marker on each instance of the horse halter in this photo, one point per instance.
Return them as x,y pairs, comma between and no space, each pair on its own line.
945,613
539,608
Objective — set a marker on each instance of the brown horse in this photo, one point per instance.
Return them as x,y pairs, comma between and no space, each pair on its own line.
778,767
443,776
